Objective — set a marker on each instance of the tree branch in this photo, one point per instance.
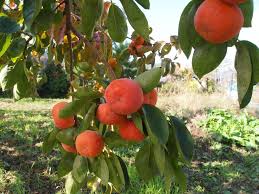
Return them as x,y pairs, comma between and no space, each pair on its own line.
111,73
68,33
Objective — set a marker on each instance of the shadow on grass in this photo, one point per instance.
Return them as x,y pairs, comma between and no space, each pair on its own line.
20,135
219,168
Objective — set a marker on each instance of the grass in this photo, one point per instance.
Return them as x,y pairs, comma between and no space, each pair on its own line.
216,167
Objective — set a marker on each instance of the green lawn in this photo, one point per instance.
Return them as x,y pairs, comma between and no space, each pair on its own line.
216,167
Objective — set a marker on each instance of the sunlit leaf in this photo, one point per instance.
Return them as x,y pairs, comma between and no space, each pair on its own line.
136,17
149,79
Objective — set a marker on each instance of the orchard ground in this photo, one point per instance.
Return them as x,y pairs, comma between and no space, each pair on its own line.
216,168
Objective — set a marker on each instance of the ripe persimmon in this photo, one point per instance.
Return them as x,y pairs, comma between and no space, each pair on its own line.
89,144
139,40
128,131
151,97
69,148
124,96
218,22
106,116
61,123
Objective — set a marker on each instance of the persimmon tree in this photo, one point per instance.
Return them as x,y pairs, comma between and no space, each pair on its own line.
107,111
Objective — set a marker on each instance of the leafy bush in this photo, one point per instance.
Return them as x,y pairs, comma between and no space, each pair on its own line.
57,84
226,126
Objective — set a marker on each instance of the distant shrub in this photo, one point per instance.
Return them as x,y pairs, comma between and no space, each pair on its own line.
6,94
57,84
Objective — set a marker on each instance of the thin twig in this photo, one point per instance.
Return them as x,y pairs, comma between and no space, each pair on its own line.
68,33
61,3
7,5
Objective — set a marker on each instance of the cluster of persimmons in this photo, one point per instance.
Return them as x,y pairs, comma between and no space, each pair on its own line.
123,97
136,45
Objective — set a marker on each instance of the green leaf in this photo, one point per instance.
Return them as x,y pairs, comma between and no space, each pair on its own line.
5,41
208,57
244,69
66,136
31,8
151,58
114,140
116,23
8,26
11,74
174,170
159,154
23,88
188,37
184,139
117,169
248,10
49,141
136,117
113,174
71,185
120,172
91,12
166,65
103,171
1,4
80,168
172,142
86,93
17,47
66,164
6,83
88,117
254,56
136,17
145,162
100,168
40,23
144,3
149,79
71,109
125,173
156,124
